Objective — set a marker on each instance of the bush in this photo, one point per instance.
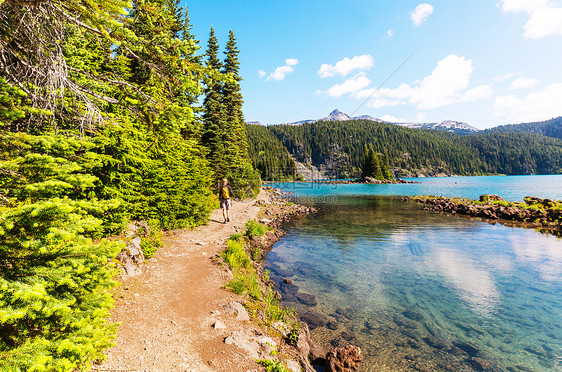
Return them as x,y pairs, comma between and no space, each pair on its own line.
152,241
255,229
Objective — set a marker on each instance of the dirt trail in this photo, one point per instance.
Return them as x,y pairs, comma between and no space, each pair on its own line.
167,312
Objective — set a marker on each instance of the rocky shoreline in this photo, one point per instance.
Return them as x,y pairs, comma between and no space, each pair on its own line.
367,181
277,214
544,215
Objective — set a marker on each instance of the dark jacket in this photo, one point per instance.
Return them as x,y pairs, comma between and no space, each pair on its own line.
229,191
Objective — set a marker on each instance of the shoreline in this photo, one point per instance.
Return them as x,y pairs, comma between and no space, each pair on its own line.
544,215
176,313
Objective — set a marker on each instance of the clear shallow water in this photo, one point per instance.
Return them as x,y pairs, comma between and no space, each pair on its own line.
422,291
513,188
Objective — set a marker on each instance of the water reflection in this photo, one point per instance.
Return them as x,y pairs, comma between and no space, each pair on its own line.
423,291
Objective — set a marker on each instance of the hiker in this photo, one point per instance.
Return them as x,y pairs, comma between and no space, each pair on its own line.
225,192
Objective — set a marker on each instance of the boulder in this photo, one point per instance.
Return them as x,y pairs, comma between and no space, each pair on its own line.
306,299
293,365
313,319
135,251
218,325
128,267
344,359
237,309
490,197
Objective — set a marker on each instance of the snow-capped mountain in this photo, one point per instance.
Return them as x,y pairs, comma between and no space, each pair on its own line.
447,126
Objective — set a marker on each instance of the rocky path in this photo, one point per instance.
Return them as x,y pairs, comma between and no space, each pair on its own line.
167,312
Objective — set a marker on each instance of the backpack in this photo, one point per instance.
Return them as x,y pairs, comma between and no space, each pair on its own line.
224,193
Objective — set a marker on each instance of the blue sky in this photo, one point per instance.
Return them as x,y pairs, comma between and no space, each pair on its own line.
484,62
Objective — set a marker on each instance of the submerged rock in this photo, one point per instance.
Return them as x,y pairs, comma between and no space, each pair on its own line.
313,319
306,299
344,359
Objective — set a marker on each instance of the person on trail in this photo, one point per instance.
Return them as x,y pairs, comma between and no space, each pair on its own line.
225,192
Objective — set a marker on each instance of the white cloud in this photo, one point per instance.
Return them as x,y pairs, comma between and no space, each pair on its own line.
281,72
346,66
544,22
540,105
523,82
389,33
261,74
523,5
292,61
546,18
350,86
504,77
447,84
421,13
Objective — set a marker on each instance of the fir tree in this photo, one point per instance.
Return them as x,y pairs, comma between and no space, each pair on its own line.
232,98
213,118
385,168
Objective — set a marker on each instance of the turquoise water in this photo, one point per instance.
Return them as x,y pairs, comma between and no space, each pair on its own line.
423,291
513,188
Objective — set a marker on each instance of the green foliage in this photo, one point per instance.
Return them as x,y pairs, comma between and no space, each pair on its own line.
235,255
269,156
272,365
549,128
255,229
374,166
293,337
223,123
151,242
343,147
117,135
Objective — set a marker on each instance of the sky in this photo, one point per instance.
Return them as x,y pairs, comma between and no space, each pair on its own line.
483,62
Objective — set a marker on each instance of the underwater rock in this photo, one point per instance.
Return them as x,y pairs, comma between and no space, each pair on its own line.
480,364
313,319
348,336
413,314
332,325
344,359
437,342
306,299
468,348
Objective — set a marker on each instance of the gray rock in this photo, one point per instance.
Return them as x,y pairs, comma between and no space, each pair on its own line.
128,267
243,341
236,308
135,251
219,325
293,365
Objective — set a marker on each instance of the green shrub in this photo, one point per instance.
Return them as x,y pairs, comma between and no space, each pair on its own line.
255,229
152,241
235,256
272,365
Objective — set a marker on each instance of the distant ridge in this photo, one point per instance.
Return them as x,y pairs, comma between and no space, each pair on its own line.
447,126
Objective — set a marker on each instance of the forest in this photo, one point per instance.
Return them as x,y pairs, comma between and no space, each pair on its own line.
340,147
109,112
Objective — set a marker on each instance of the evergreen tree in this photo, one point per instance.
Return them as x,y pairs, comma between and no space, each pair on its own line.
385,168
213,116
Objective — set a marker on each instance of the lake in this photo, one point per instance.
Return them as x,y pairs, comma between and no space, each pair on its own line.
423,291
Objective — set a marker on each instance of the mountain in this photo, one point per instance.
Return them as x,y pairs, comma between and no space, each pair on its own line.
447,126
337,150
253,123
549,128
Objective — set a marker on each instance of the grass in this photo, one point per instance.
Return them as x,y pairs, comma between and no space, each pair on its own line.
246,280
255,229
